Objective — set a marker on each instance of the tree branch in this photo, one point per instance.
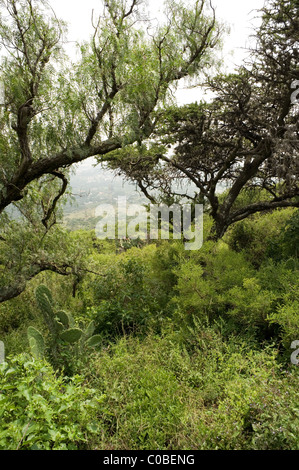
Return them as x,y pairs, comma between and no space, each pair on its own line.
260,207
56,199
19,283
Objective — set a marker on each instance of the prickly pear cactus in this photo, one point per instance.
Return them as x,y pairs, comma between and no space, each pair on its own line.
89,330
63,318
44,299
94,341
72,335
36,342
62,328
45,302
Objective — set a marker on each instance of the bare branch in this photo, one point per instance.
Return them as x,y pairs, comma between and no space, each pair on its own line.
51,210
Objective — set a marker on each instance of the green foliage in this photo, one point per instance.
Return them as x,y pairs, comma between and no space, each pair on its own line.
258,415
201,370
16,315
219,283
286,315
64,334
124,301
57,113
274,235
42,411
216,395
204,279
249,305
133,293
72,335
287,244
36,342
193,348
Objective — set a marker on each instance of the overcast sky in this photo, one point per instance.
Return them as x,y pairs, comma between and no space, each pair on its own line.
239,15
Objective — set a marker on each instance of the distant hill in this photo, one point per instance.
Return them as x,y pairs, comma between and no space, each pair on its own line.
91,186
94,185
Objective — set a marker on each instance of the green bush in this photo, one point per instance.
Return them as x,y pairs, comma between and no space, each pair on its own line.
134,291
144,408
249,305
205,278
259,413
287,244
40,410
220,284
163,394
209,368
261,236
287,317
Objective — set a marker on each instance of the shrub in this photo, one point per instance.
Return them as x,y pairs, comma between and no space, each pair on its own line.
162,394
205,278
40,410
262,235
287,317
133,294
144,408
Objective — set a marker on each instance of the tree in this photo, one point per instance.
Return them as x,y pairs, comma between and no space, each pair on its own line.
57,114
245,139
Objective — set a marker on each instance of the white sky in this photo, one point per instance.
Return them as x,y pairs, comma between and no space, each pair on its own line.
239,15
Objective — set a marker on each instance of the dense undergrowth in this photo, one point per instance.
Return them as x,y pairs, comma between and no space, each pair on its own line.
194,354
